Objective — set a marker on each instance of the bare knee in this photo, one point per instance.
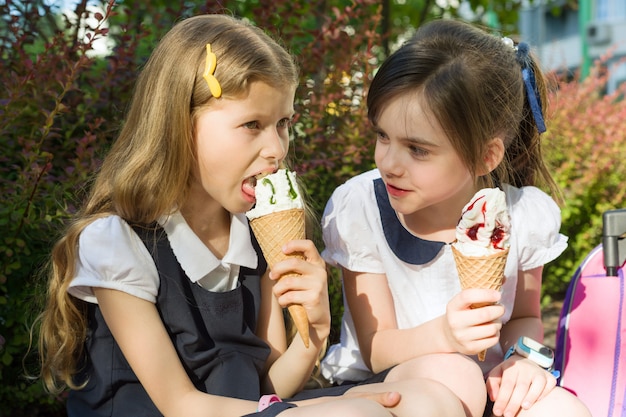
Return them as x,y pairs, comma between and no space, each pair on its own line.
562,402
433,366
421,396
559,402
457,372
360,407
428,398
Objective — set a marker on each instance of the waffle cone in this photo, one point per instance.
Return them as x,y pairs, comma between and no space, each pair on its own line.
272,231
481,272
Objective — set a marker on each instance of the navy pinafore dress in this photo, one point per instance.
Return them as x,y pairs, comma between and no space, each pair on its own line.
214,335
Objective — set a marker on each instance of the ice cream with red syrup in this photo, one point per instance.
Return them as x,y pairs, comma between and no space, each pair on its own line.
482,242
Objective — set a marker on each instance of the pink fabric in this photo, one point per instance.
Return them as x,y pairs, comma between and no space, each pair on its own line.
591,338
267,400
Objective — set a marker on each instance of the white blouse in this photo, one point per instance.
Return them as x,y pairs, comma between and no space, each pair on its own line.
362,233
111,255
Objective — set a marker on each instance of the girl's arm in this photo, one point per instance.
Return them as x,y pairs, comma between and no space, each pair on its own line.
519,382
526,316
139,331
384,345
290,367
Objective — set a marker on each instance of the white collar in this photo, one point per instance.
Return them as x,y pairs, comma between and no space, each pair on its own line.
195,258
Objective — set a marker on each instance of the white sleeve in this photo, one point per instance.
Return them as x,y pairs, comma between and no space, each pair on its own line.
347,230
536,221
111,255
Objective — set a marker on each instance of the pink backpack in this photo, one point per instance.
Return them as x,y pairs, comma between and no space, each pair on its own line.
591,336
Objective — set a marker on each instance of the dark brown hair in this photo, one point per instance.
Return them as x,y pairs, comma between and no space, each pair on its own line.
472,83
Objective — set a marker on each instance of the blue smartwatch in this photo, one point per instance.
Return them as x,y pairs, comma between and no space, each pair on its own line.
536,352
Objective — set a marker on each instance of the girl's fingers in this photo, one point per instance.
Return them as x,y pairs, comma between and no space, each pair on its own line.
307,248
535,390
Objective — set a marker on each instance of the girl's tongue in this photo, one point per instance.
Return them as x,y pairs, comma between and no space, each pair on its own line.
248,187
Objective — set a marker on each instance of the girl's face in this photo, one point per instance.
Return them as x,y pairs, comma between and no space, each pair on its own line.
422,172
236,140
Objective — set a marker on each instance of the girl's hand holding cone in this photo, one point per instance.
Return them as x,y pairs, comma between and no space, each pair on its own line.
481,247
277,218
301,280
468,329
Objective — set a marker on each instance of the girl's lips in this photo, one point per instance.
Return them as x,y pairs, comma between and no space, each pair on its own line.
395,191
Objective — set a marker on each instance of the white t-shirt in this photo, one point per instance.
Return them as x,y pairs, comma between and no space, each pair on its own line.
111,255
363,234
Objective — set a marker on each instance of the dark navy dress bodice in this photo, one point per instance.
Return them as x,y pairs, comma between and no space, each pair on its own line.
213,333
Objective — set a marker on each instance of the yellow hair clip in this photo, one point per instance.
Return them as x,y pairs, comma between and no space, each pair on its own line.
211,63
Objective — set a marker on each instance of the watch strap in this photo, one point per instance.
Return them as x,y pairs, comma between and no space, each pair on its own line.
509,352
555,372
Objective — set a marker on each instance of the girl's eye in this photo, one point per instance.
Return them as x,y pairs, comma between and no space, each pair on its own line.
251,125
418,152
286,122
381,137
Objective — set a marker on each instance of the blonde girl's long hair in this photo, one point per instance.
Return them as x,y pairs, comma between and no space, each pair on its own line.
147,171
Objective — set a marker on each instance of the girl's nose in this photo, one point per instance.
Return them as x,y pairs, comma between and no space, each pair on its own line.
275,146
388,161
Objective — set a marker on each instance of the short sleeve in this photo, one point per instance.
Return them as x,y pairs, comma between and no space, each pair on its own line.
111,255
536,222
348,225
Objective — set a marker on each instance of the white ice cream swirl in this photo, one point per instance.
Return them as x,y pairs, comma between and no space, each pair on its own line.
276,192
485,224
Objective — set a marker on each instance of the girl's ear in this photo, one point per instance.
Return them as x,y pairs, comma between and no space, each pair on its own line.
493,155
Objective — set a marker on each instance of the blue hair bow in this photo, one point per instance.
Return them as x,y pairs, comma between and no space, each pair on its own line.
531,86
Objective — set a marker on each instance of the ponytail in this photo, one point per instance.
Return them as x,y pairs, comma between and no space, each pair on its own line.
523,155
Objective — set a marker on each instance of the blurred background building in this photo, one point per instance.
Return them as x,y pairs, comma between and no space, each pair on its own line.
579,34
